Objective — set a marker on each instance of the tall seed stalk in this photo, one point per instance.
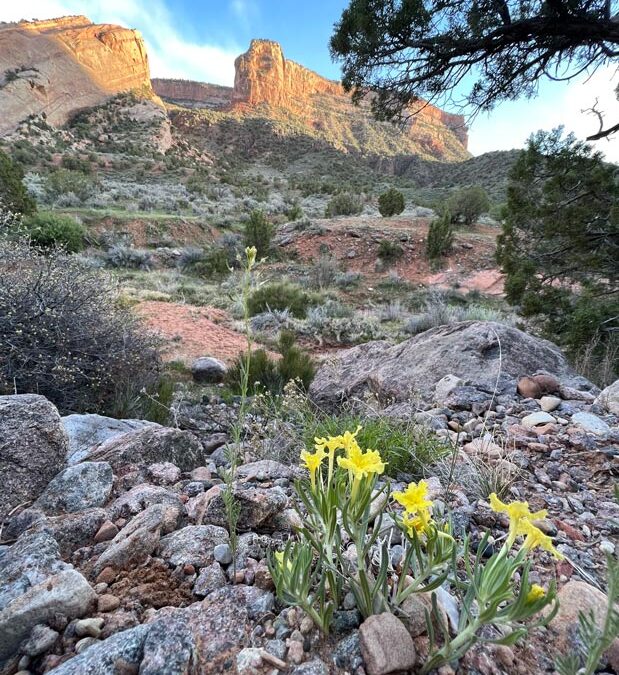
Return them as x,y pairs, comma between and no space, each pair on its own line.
234,449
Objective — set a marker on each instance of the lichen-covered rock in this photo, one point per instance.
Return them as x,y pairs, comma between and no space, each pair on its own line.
76,488
257,506
30,560
192,545
126,648
33,447
468,350
75,530
141,497
151,445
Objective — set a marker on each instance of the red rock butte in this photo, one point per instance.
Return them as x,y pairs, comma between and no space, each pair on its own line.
265,78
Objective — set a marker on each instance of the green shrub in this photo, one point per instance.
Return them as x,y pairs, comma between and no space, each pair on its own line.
295,364
76,163
50,230
295,212
440,237
13,193
128,257
63,181
468,204
84,351
266,374
344,204
263,374
559,244
280,295
214,263
258,233
389,251
391,203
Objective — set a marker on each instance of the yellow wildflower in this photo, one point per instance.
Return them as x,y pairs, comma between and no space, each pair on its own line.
414,498
534,538
518,513
362,464
279,558
251,253
332,444
535,593
419,521
349,440
313,462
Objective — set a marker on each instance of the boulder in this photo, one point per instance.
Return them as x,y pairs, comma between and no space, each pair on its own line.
208,369
152,445
33,447
386,645
65,593
75,530
33,558
83,486
467,350
608,398
87,431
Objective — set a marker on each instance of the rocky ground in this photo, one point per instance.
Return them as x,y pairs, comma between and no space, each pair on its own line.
115,557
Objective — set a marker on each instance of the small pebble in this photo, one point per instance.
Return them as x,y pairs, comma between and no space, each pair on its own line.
223,554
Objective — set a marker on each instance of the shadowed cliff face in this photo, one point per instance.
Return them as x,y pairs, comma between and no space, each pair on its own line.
62,65
267,83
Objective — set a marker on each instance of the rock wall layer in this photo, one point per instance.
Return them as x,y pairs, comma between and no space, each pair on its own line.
193,94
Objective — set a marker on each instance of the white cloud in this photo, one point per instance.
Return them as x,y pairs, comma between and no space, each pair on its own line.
246,11
511,123
170,54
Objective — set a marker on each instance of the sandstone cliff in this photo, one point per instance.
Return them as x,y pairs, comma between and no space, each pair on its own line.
62,65
269,85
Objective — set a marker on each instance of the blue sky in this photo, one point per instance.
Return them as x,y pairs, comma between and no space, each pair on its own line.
199,39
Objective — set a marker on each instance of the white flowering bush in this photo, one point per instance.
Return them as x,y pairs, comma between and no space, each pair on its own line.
63,334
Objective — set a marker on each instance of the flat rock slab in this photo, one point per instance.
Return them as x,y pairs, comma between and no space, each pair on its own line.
87,431
465,350
151,446
536,419
591,423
